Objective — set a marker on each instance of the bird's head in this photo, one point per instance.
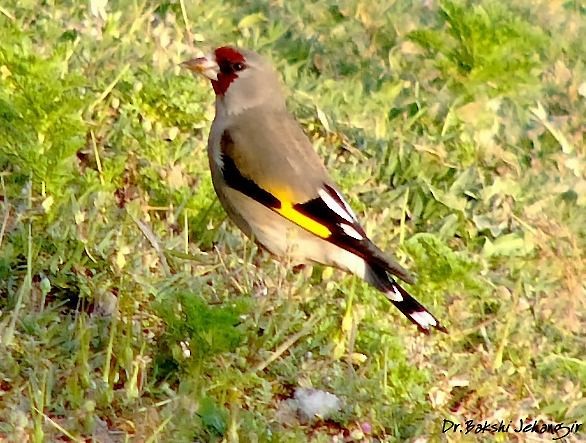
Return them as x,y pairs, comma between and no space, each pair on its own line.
241,79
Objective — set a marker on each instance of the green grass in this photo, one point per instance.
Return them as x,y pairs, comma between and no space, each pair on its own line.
132,310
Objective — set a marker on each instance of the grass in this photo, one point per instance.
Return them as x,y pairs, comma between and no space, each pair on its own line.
132,310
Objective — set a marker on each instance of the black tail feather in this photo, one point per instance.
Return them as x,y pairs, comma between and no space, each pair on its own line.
409,306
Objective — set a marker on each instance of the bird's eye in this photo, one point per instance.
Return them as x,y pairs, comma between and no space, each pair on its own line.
228,68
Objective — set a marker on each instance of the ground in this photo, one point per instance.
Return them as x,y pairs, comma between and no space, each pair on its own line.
131,309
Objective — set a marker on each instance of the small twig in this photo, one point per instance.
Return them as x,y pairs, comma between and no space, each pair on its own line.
152,238
98,160
186,238
566,358
158,431
109,351
91,257
403,218
353,330
525,224
288,343
25,287
58,426
474,329
156,208
6,211
541,115
186,23
191,257
139,21
7,14
109,88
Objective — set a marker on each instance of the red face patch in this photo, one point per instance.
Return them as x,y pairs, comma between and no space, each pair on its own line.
230,62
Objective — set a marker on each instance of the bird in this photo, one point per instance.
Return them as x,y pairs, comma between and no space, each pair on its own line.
274,186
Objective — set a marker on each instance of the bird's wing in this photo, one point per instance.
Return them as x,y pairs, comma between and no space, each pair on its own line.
320,209
273,149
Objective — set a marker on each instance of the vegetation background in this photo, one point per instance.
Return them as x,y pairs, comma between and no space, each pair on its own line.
132,310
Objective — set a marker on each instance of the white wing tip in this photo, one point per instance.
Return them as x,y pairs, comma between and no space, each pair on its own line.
349,230
423,319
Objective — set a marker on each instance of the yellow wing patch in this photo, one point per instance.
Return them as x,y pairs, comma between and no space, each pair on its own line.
291,214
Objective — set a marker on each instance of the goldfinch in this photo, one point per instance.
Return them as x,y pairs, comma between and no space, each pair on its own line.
274,186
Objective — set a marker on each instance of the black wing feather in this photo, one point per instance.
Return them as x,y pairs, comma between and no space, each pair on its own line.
318,210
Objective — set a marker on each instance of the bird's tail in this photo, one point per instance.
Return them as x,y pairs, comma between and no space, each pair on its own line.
411,308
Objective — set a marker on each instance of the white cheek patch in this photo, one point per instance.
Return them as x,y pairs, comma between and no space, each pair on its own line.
210,67
336,207
424,319
350,231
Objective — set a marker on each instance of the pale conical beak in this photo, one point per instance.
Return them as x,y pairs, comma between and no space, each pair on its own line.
205,66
